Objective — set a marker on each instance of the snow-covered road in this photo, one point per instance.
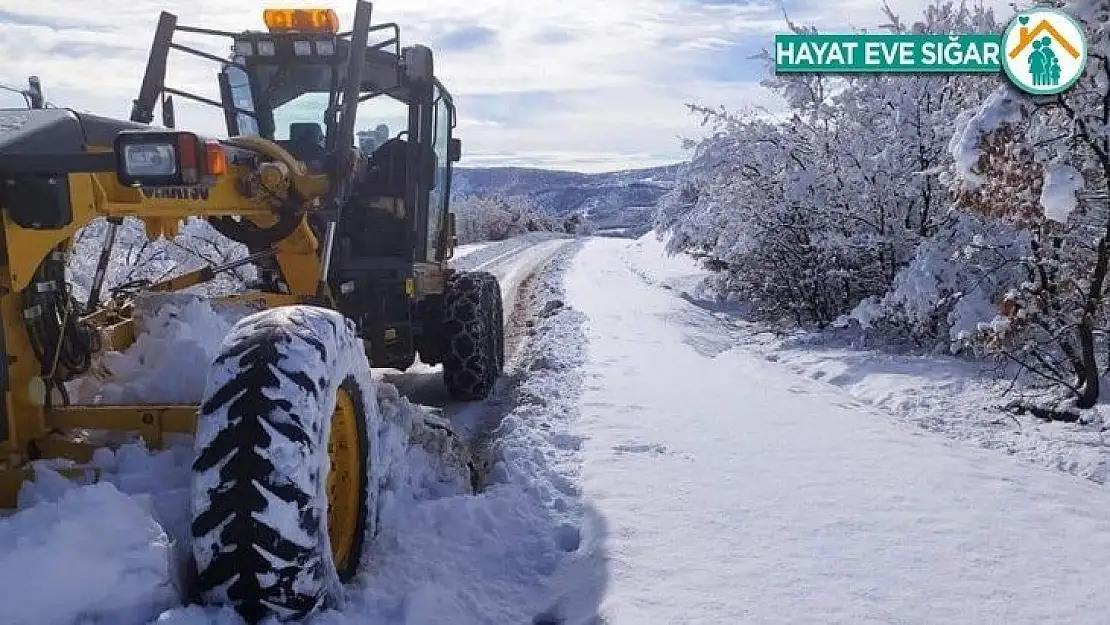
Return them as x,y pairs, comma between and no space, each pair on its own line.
512,261
644,466
735,491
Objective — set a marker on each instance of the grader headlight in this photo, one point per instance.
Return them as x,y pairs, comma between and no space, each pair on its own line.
157,158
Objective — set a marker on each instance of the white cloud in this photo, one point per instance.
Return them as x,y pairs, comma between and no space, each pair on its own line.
560,83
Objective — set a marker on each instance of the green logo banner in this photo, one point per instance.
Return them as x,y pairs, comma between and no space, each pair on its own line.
888,53
1042,52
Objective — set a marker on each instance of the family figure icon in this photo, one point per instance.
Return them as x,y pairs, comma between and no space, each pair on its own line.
1045,51
1043,64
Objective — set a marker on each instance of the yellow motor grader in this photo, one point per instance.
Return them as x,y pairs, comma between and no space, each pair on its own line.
350,239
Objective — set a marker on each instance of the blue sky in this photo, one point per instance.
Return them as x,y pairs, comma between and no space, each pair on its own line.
569,84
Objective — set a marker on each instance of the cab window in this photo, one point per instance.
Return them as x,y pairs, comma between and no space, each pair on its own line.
437,197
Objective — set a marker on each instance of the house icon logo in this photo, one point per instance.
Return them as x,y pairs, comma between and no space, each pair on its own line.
1044,51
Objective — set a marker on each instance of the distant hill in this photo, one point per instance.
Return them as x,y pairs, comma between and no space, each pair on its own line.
622,201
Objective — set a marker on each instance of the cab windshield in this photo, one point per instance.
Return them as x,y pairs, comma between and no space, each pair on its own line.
299,99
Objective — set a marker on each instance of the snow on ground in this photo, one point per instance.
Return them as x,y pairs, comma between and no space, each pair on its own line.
955,397
735,490
92,553
959,399
469,248
656,462
440,556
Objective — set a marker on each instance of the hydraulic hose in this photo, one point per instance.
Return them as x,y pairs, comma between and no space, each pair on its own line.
63,345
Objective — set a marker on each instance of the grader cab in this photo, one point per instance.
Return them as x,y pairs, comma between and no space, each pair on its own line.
351,248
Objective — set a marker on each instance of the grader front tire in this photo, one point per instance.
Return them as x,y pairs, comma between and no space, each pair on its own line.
281,499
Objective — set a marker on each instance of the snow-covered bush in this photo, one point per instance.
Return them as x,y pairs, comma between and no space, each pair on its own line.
954,211
497,217
1043,164
809,216
951,287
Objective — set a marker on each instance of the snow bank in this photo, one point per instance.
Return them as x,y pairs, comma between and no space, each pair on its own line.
93,555
647,256
495,557
954,397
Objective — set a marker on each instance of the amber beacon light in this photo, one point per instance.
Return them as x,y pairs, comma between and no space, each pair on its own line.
302,20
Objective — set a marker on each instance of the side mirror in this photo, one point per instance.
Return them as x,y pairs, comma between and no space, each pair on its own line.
167,113
418,64
34,92
454,151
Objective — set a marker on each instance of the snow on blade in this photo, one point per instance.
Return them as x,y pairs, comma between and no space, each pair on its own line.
177,337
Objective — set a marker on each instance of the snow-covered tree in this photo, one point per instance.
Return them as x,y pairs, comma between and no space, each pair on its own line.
498,217
954,211
136,257
807,217
1042,163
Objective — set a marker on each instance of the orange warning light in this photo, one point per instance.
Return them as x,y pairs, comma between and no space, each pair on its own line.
216,158
302,20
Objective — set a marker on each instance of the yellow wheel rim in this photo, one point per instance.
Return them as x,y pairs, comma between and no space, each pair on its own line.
343,479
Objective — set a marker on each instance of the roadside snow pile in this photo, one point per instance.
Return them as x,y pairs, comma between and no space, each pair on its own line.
500,556
954,397
648,258
418,459
94,555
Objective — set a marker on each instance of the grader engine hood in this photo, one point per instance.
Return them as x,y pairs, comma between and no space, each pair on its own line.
55,131
38,149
